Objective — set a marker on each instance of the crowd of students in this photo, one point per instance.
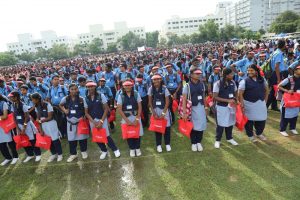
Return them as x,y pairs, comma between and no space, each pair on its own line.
140,85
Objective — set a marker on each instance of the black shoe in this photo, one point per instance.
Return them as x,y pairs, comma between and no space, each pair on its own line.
276,109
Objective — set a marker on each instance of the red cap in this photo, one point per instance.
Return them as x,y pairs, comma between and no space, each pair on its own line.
156,76
91,84
198,71
127,83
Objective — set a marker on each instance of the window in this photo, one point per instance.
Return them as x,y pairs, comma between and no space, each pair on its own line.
195,20
45,47
186,21
181,26
191,21
186,26
169,22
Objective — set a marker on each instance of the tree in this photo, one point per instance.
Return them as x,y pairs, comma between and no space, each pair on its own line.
42,54
152,39
209,31
162,42
79,49
130,41
26,56
112,48
59,51
195,38
286,22
95,46
227,33
7,59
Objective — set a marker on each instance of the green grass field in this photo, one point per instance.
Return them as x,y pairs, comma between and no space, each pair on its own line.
265,170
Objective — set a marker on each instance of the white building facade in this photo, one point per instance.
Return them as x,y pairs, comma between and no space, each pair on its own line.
258,14
188,26
26,42
109,36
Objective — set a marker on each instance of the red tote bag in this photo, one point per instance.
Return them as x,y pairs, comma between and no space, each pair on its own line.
21,141
43,142
241,119
275,88
209,101
8,124
129,131
112,116
83,127
174,105
291,100
185,127
158,125
99,135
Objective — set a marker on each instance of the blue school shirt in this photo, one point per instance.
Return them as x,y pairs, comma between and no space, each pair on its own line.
278,57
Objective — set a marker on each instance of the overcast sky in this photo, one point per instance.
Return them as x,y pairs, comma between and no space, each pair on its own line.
70,17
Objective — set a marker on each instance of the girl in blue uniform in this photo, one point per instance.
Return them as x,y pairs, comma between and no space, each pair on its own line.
130,107
225,94
289,115
48,126
6,138
196,90
25,126
159,99
97,111
253,94
74,107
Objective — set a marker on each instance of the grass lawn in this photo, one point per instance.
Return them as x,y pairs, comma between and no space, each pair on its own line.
265,170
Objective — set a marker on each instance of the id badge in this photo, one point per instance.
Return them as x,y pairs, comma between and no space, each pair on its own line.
199,97
129,107
231,96
73,111
19,117
158,103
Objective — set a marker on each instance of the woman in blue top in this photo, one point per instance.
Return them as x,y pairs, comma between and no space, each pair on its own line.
253,94
225,94
6,138
74,107
159,99
97,111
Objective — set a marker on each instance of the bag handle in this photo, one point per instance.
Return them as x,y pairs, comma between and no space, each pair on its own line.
189,92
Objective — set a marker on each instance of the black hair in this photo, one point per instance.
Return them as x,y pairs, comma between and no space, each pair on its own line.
32,78
281,44
259,77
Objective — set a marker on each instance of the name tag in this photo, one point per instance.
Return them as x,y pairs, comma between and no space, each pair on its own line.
199,97
19,117
171,84
55,97
73,111
129,107
44,110
158,103
76,106
231,96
